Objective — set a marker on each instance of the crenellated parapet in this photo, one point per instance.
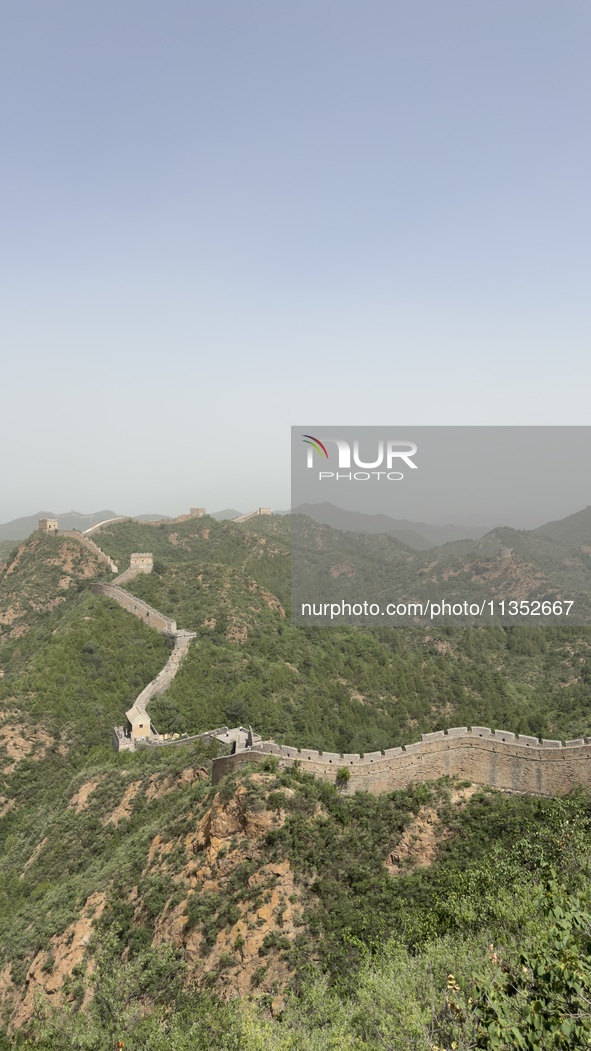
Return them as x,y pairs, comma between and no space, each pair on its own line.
91,546
152,617
253,514
48,525
138,725
139,562
498,758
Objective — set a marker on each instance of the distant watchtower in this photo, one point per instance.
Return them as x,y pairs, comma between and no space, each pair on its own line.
48,525
141,561
196,512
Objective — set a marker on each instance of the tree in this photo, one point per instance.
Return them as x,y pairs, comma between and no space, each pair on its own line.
544,1000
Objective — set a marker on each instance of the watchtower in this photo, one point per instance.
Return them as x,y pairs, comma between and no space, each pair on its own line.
141,561
137,724
48,525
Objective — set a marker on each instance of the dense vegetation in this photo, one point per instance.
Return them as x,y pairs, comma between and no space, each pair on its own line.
486,948
6,549
546,564
381,960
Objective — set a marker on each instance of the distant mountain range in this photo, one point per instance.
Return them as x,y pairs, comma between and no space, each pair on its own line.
572,532
227,513
549,564
19,528
418,535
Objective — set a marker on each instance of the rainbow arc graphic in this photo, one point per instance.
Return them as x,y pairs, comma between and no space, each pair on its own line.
316,444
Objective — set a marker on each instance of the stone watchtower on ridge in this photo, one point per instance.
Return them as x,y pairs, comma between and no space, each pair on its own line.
48,525
141,561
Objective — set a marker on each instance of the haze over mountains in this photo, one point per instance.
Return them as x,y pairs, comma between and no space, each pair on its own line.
342,555
551,564
418,535
19,528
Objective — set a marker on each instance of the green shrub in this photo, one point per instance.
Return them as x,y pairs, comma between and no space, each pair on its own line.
343,777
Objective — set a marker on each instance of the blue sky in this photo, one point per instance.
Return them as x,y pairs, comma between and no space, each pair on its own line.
219,219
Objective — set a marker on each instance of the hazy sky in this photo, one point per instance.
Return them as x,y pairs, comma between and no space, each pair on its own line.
220,218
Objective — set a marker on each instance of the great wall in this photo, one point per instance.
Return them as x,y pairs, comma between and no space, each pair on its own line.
495,758
138,726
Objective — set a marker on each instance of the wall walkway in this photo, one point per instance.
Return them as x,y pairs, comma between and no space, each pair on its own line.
503,760
164,678
138,607
155,619
90,545
107,521
253,514
497,758
127,575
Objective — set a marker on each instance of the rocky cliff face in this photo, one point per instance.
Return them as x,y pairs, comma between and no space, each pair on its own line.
232,914
237,914
36,580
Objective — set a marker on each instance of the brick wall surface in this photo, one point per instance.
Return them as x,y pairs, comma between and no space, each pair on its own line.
91,546
139,608
496,758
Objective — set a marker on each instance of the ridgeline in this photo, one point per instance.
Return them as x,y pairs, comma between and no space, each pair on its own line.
176,895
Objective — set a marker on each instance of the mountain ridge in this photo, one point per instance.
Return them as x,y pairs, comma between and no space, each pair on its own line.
138,898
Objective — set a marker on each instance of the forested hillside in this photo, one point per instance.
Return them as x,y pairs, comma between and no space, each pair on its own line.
545,565
135,896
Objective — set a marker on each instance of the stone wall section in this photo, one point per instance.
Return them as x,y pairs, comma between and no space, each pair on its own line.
107,521
138,726
139,562
127,575
166,675
496,758
48,525
152,617
90,545
253,514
